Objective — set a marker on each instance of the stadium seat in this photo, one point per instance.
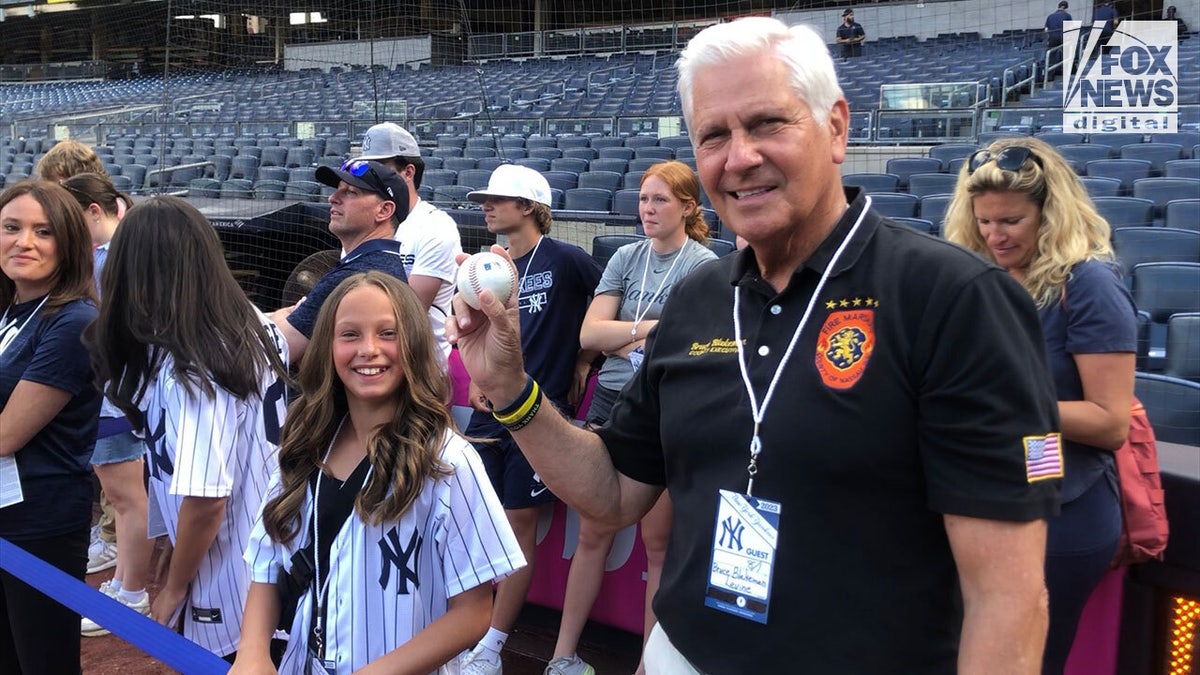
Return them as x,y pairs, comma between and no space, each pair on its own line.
136,173
1183,214
1098,186
1184,139
632,180
274,156
654,152
237,188
1125,211
625,202
1183,346
547,153
1058,138
534,163
473,178
303,190
563,180
1124,170
640,164
572,164
675,142
478,152
298,157
1079,154
1158,154
1117,140
338,146
447,153
608,164
573,142
244,167
721,247
618,152
872,182
951,151
605,180
435,178
588,199
269,189
641,141
925,184
605,245
1172,406
1136,245
584,153
459,163
541,143
122,183
1182,168
1162,190
453,196
299,173
599,142
895,204
933,208
276,173
489,163
1164,288
903,167
250,151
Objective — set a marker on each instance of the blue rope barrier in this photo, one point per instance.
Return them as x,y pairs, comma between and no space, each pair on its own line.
157,640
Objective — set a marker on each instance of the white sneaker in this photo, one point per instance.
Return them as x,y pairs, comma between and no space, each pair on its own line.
569,665
473,663
102,555
89,628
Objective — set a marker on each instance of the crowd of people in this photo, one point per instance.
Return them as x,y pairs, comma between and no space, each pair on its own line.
845,434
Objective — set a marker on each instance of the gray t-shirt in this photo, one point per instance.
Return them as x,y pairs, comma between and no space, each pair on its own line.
623,277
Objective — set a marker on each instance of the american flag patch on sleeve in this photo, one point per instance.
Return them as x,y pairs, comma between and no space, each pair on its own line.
1043,457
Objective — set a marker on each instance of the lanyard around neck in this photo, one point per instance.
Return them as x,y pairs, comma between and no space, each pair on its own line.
758,410
638,314
10,330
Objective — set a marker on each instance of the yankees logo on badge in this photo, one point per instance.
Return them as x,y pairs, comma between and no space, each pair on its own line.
844,347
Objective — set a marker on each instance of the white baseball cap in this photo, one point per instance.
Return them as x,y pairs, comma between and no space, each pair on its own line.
510,180
388,140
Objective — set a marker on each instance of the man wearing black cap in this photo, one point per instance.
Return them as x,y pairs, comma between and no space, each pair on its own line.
369,200
1054,29
850,35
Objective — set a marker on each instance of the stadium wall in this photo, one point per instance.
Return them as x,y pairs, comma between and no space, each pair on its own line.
390,52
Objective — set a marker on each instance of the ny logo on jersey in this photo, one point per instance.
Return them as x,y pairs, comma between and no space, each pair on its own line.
534,303
160,462
395,555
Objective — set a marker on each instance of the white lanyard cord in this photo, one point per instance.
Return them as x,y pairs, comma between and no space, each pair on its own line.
7,334
760,411
322,584
529,264
638,314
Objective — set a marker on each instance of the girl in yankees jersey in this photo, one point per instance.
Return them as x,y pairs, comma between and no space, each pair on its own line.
403,583
200,372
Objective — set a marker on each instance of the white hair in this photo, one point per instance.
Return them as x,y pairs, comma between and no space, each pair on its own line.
800,48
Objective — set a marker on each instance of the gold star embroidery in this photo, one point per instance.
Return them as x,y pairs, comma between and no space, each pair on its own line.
843,303
858,302
830,305
870,301
876,303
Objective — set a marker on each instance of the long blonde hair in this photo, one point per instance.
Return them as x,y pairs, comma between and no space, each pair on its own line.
1071,230
402,452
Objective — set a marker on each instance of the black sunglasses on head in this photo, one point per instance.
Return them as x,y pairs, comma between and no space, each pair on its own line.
1011,158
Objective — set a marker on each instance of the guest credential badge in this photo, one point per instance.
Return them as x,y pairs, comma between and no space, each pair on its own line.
743,556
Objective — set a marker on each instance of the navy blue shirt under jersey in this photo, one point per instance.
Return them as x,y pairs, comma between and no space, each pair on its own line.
382,255
54,464
1096,316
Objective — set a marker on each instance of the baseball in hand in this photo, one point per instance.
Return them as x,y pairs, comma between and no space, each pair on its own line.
486,270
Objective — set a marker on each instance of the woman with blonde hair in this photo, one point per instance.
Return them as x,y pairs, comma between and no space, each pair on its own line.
1019,204
401,580
626,306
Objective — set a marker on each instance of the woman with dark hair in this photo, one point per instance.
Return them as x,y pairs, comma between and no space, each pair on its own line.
48,413
1019,204
626,306
402,584
117,459
200,373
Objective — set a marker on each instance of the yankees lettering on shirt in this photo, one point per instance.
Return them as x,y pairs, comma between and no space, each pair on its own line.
387,582
214,446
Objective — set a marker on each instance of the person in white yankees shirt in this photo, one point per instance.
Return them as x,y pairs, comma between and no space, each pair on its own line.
200,372
402,583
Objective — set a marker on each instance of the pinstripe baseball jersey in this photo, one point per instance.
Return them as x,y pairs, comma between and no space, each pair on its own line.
214,446
389,581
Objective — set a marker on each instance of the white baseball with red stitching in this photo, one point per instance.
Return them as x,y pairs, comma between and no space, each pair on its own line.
486,270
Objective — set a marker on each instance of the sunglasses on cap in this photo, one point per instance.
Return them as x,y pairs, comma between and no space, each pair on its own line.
357,167
1011,158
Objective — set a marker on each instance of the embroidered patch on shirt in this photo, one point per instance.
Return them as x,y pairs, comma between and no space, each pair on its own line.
844,347
1043,457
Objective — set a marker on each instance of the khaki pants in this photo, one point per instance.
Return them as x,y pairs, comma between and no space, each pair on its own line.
662,658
